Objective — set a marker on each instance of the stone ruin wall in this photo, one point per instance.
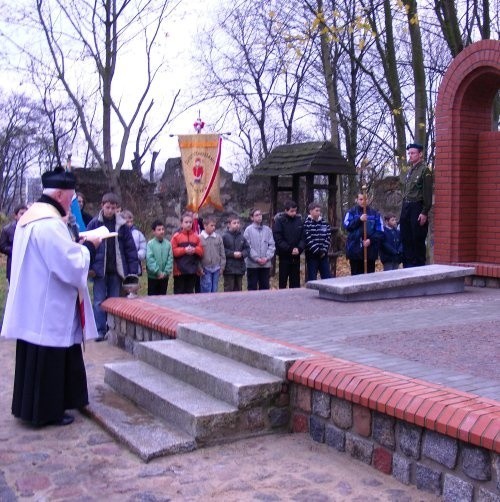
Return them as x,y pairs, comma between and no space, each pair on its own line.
167,198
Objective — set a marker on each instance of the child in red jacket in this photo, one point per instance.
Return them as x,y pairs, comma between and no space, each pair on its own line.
187,251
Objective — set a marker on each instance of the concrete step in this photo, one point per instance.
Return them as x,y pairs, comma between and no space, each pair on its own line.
401,283
274,358
231,381
196,413
144,434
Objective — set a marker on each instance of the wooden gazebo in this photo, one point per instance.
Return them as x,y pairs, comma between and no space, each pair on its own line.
305,159
308,160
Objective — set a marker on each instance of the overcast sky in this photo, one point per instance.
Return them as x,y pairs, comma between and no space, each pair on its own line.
188,23
191,21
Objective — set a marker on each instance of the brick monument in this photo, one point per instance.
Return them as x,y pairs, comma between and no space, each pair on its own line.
467,172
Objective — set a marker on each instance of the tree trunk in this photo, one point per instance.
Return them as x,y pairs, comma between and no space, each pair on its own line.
391,71
328,75
418,71
152,167
446,13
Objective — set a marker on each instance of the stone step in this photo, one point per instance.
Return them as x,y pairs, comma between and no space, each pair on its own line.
202,416
226,379
401,283
144,434
272,357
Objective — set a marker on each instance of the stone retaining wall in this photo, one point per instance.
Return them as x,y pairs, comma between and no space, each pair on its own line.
125,334
413,455
478,281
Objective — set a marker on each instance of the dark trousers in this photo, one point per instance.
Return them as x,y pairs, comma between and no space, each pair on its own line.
391,265
258,278
289,272
413,235
233,282
157,286
358,266
184,284
317,264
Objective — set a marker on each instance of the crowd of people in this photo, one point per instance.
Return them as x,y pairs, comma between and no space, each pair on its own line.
50,261
369,237
198,255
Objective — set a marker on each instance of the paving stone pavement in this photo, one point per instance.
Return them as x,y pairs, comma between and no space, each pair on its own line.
446,339
81,462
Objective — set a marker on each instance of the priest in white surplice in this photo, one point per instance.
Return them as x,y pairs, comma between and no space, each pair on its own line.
48,308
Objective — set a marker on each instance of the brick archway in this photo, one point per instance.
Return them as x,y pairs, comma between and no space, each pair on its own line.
467,174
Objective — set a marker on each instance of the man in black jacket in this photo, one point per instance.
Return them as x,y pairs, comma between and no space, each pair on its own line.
287,234
7,236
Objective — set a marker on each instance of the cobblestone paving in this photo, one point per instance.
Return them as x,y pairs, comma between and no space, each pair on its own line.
83,463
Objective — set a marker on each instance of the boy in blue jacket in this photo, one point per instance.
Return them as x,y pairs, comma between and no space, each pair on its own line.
391,248
115,258
354,223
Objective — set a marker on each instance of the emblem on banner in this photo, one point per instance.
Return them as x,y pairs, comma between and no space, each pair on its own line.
200,156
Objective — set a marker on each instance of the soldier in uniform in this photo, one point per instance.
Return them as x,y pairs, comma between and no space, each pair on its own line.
417,202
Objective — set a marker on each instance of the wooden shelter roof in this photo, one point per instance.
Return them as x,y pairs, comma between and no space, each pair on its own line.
315,157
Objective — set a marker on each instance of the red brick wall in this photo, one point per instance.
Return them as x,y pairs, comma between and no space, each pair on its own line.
488,202
467,175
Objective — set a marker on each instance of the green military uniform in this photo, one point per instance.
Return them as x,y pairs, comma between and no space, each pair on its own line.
417,186
417,199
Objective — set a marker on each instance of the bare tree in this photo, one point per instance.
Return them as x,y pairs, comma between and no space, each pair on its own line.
20,147
84,45
144,141
417,60
257,64
446,13
61,125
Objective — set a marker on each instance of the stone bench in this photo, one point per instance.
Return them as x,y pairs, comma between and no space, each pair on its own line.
401,283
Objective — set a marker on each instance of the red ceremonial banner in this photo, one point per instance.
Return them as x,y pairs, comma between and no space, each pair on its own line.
200,156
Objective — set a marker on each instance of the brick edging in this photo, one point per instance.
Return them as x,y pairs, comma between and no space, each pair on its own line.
457,414
148,314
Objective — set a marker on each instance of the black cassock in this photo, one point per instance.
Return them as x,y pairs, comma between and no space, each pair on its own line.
48,381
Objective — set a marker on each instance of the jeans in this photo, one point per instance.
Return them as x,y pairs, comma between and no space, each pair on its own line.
391,265
108,286
209,282
317,264
358,266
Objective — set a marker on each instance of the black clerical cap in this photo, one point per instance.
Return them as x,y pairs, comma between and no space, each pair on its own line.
59,178
418,146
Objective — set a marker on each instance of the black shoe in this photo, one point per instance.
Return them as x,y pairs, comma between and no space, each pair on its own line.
101,338
65,420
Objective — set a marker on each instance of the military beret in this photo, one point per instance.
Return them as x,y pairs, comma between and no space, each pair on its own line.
59,178
418,146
